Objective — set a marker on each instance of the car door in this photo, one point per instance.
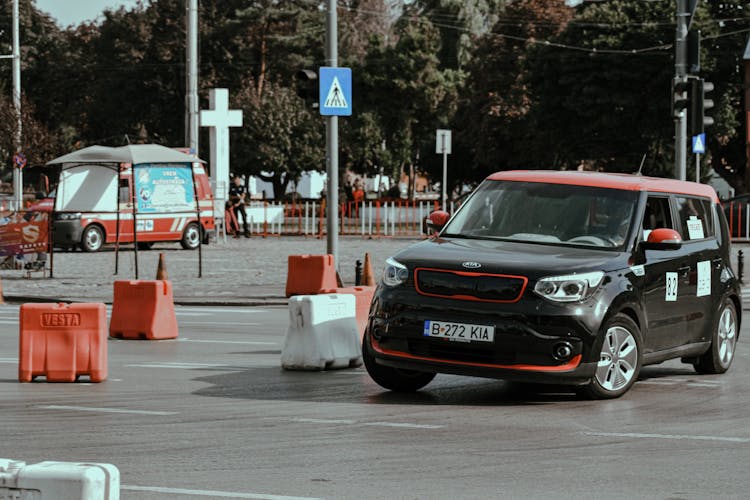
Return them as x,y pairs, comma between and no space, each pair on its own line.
697,225
664,271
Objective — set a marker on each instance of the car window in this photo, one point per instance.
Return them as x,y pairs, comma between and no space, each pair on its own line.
656,215
696,219
546,213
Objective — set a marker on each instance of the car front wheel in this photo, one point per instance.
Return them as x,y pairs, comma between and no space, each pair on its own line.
393,379
719,357
620,360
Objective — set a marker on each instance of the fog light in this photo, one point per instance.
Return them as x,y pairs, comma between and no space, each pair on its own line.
562,351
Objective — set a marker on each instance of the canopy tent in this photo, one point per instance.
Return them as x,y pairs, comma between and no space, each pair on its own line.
134,154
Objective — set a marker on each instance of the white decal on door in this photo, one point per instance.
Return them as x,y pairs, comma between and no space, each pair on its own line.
671,295
704,278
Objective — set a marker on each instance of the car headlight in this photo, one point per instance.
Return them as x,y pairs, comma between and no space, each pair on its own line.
68,215
395,273
569,288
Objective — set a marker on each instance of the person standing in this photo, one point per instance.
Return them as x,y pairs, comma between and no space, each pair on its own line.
237,194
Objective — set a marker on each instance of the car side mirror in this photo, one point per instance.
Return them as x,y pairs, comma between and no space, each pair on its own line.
437,220
663,239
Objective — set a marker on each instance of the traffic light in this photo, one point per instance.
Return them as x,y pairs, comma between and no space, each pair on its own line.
698,106
680,96
307,86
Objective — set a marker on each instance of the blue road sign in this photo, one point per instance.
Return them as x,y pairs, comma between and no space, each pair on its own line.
699,143
335,91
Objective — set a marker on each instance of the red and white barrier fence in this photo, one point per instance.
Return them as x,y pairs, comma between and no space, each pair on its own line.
367,218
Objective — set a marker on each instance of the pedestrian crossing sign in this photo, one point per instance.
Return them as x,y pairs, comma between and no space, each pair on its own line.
335,91
699,143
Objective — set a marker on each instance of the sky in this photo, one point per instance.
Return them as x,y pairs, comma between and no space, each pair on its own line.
68,12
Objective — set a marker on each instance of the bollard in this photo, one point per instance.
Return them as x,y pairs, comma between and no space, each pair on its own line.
358,273
740,265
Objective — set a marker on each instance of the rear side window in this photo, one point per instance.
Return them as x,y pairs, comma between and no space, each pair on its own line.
696,218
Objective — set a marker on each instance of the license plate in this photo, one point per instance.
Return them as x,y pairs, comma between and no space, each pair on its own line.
459,332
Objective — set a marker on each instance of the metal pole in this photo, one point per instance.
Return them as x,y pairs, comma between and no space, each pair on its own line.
332,141
680,69
17,140
697,167
445,177
191,97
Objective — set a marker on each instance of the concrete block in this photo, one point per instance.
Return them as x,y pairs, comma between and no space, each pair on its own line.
58,481
322,334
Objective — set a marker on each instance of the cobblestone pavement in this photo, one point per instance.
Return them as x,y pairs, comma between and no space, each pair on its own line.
240,271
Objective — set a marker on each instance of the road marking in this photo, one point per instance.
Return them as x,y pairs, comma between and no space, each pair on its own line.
8,360
706,383
202,311
106,410
206,341
404,425
8,321
167,364
217,323
210,493
637,435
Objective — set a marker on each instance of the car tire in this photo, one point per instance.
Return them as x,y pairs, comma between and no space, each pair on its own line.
92,239
720,355
620,359
191,236
393,379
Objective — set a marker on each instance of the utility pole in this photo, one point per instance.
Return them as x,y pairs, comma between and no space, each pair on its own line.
191,96
332,142
680,76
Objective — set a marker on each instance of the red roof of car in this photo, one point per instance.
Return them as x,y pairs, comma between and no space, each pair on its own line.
627,182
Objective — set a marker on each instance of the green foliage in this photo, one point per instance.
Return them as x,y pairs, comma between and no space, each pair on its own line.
522,83
280,138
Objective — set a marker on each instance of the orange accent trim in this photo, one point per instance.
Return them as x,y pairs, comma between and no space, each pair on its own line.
569,366
625,182
470,297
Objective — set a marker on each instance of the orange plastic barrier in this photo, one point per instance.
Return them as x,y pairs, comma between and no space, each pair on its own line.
62,342
363,298
310,274
143,310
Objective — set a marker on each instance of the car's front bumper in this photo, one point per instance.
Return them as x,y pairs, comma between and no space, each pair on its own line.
526,346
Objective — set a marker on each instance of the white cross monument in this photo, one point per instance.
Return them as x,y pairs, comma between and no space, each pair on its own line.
219,118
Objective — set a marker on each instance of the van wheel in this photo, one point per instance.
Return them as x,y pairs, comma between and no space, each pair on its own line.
92,239
620,360
191,237
394,379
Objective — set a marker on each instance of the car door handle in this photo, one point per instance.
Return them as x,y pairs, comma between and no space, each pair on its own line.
683,270
717,263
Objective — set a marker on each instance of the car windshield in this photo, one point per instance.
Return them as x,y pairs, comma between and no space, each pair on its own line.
546,213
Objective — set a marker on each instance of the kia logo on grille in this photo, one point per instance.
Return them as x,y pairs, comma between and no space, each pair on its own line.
471,265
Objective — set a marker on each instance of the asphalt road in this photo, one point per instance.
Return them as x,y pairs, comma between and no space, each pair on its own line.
212,415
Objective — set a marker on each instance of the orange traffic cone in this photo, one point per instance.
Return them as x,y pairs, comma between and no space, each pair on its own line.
368,277
161,270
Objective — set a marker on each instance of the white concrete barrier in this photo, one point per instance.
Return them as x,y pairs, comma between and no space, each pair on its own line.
322,333
58,481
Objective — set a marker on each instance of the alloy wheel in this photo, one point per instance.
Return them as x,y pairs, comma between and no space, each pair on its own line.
618,360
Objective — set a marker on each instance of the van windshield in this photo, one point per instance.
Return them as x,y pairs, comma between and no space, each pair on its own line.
546,213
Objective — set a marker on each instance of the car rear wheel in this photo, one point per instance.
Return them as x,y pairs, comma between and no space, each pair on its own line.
92,239
191,237
719,357
394,379
620,360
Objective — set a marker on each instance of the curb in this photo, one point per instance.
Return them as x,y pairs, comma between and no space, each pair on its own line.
250,302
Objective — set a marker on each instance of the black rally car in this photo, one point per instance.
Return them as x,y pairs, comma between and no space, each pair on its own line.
560,277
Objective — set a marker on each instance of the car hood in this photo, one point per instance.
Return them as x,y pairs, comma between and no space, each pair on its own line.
509,257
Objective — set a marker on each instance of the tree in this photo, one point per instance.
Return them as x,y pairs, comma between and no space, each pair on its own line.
280,138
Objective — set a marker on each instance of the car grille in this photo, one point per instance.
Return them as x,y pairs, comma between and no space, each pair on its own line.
470,286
